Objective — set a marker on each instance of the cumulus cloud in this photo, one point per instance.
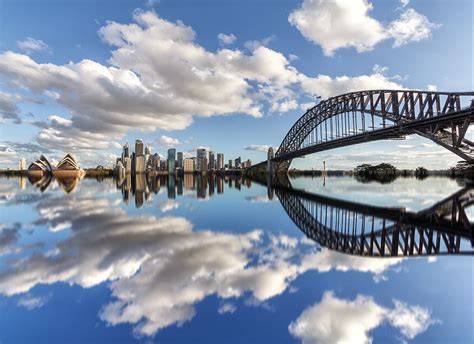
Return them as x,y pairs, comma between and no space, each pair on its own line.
30,45
258,148
168,141
9,107
227,307
31,302
335,320
347,23
159,268
226,39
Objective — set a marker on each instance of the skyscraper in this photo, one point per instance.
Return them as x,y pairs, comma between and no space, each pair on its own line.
230,164
22,164
179,160
138,147
125,151
201,155
212,162
238,161
220,161
171,160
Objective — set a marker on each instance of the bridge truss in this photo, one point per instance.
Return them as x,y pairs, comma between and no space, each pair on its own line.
364,230
366,116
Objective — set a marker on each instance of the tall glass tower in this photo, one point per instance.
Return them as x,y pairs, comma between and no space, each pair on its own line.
171,160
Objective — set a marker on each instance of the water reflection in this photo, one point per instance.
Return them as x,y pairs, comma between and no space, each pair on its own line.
141,187
373,231
158,269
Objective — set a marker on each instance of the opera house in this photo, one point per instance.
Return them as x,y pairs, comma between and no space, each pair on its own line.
40,167
68,167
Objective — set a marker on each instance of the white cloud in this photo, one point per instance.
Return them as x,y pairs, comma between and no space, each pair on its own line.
226,39
410,27
410,320
347,23
159,268
335,320
31,45
404,3
258,148
432,88
31,302
227,307
168,141
8,106
284,106
293,57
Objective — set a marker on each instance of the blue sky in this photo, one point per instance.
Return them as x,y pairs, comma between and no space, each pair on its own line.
86,76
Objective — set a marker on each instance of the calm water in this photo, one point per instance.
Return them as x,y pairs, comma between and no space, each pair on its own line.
199,260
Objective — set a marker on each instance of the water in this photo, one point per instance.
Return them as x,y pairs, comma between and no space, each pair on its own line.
228,260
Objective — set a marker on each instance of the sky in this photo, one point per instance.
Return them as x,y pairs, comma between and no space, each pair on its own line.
232,76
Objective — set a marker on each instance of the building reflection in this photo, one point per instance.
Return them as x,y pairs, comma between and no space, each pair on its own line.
142,187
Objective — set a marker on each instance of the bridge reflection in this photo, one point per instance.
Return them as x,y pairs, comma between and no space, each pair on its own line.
372,231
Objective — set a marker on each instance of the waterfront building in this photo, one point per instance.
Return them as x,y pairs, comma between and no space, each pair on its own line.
204,165
179,160
171,160
127,164
40,166
270,156
125,153
212,162
22,164
230,164
249,163
155,162
220,161
68,167
138,147
189,165
133,158
238,162
201,155
163,165
140,166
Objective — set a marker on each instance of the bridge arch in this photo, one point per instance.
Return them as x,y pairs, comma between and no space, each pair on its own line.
365,116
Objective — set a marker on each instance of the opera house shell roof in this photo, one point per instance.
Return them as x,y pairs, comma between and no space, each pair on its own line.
40,166
68,167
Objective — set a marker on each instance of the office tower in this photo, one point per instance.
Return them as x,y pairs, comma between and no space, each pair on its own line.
22,164
204,165
220,161
230,164
155,165
212,162
238,162
127,164
201,155
163,165
147,156
189,165
147,151
133,158
179,160
249,163
140,164
125,153
171,160
138,147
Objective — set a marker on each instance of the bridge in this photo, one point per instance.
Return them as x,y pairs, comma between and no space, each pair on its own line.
371,231
365,116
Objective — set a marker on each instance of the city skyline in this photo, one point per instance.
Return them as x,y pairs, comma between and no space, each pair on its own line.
279,69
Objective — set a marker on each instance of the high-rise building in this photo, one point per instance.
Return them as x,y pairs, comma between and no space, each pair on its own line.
125,151
249,163
171,160
189,165
230,164
22,164
155,164
147,156
238,162
138,147
140,165
212,162
220,161
179,160
127,164
134,162
201,155
204,165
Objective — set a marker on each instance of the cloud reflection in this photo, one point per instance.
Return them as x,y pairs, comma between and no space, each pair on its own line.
159,268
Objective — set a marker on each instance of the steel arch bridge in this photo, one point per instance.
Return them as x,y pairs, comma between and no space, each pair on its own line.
364,116
371,231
